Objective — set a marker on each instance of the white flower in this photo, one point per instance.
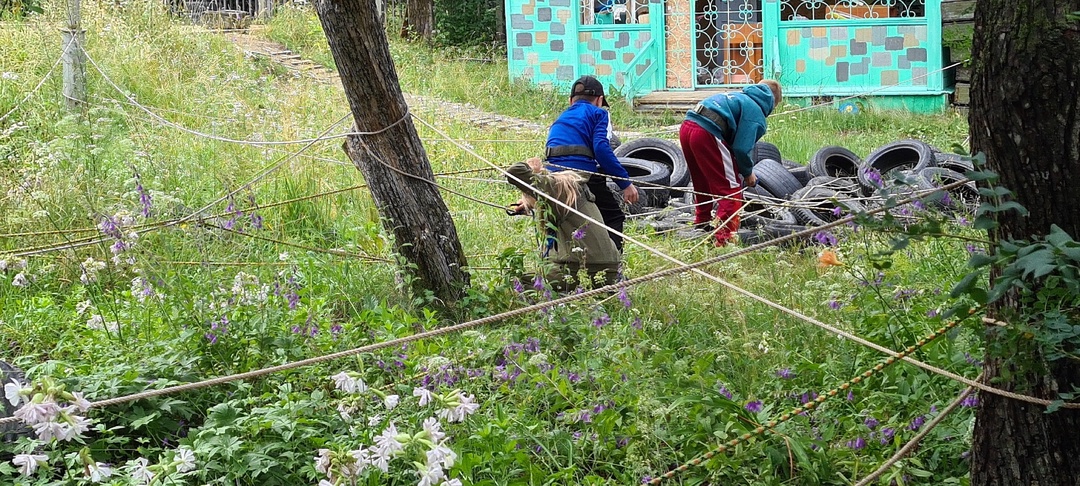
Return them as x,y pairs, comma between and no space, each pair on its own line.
28,463
323,482
95,322
283,256
322,461
32,413
48,431
361,460
99,472
81,307
20,280
391,401
140,470
430,474
424,394
345,412
346,383
81,403
466,406
433,429
381,462
186,457
374,420
13,393
452,482
387,443
442,455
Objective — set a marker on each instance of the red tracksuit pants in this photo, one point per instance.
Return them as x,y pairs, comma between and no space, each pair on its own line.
715,177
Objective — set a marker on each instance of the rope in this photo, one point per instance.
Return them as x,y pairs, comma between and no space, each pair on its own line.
40,83
297,245
914,442
308,141
772,424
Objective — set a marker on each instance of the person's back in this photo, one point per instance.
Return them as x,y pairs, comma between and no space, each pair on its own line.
580,139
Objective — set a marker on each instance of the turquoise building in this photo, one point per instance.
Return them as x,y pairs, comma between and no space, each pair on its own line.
886,52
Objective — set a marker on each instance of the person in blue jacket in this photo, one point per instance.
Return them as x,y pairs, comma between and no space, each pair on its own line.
717,138
580,139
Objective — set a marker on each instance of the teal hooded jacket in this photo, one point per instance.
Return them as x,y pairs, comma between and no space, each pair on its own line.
745,114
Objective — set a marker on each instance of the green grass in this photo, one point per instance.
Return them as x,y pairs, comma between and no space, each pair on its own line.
659,385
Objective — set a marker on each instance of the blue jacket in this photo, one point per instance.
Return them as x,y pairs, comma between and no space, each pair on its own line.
585,124
745,115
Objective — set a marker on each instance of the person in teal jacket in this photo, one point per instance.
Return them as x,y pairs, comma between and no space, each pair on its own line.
717,138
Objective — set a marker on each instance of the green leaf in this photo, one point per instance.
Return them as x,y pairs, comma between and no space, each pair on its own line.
1054,406
965,285
1037,263
979,260
143,421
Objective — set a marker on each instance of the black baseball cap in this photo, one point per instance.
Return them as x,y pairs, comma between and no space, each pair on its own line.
588,85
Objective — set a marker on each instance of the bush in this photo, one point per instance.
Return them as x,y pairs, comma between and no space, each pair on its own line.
467,23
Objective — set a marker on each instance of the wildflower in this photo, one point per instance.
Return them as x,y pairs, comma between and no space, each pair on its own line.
871,423
835,304
837,211
433,429
784,374
452,482
601,321
917,423
139,470
20,280
828,258
874,176
37,412
347,383
391,401
825,238
850,396
322,461
186,459
637,324
754,406
857,444
424,394
430,474
13,392
538,283
98,472
81,307
887,435
517,286
932,313
725,392
144,198
579,234
625,299
441,455
459,409
646,480
387,443
28,463
970,401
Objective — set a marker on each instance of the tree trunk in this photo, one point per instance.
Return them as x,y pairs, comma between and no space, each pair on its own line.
392,161
419,19
1024,117
500,23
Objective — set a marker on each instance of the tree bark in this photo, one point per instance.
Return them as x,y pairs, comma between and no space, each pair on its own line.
393,161
1024,117
419,19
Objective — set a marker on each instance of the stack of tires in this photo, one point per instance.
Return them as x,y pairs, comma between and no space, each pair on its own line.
790,196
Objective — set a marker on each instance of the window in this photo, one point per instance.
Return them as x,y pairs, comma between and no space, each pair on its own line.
601,12
850,9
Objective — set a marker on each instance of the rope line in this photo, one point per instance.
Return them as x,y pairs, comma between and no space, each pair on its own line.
914,442
771,425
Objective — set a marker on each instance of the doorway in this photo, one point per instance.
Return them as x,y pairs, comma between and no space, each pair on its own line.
727,43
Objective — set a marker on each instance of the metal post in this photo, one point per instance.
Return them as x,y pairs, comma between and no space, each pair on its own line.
74,60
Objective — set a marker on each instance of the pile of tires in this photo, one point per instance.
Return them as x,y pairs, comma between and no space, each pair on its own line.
791,197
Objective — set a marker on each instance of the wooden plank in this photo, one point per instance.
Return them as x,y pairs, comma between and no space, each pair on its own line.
957,11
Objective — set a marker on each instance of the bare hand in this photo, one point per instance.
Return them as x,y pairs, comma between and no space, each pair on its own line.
751,181
630,194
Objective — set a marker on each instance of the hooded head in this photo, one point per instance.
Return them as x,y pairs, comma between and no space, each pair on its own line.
765,95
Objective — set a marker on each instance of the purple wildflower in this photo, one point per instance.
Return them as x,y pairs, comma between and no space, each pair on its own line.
972,360
850,396
932,313
887,435
538,283
871,423
835,304
646,480
622,442
963,221
336,329
784,374
109,227
144,197
211,337
573,377
837,211
825,238
625,299
970,401
754,406
874,176
517,286
585,417
637,324
579,234
725,392
919,205
601,321
857,444
256,221
917,423
946,200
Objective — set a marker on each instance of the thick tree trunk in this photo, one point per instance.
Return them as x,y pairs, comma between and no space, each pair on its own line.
419,19
393,161
1025,116
500,23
